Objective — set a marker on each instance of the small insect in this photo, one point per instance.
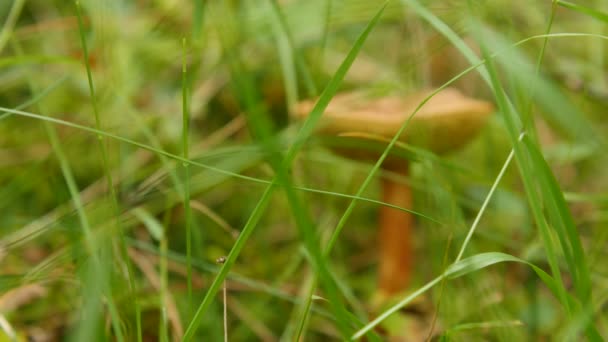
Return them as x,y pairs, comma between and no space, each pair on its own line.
221,260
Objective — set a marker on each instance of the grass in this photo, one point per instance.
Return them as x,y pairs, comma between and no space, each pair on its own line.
197,158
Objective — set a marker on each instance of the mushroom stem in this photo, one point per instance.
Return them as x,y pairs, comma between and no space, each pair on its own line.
395,237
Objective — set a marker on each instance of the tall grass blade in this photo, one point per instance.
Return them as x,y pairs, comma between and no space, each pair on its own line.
9,23
108,175
186,168
592,12
301,66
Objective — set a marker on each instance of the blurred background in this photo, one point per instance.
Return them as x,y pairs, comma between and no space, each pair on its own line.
81,260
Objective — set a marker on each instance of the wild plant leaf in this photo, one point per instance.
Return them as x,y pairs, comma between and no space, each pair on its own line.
154,227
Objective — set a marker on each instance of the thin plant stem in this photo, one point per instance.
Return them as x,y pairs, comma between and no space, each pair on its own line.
221,261
108,173
164,275
485,203
225,316
441,290
9,23
187,209
527,115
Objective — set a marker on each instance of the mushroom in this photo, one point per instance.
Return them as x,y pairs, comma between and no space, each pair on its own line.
365,126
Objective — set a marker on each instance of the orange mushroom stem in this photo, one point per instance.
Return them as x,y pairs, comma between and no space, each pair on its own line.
395,237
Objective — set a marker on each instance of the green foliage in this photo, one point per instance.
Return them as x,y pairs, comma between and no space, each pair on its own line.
140,142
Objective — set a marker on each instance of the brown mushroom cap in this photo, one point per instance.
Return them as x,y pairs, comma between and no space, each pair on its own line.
447,121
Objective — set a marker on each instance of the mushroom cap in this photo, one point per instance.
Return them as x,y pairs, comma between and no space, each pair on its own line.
446,122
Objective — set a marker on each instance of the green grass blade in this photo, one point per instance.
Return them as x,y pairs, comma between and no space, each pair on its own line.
311,88
39,96
381,317
287,55
592,12
154,227
527,116
9,23
253,220
563,223
35,59
186,167
198,16
110,183
484,205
